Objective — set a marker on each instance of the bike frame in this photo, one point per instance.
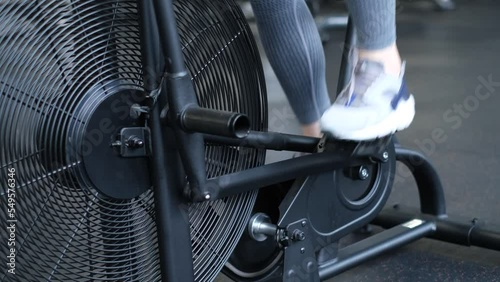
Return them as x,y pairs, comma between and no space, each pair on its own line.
178,151
175,253
159,39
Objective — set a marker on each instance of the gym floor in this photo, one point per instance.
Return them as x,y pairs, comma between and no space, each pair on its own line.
453,69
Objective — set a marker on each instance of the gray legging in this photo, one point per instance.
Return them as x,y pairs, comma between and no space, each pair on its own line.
293,46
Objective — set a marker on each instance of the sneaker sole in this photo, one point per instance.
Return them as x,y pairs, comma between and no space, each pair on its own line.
399,119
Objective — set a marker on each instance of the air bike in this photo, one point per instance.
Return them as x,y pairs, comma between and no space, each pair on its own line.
136,134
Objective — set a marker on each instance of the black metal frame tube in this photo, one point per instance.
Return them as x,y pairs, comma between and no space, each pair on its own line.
251,179
152,63
465,232
174,238
181,96
373,246
174,242
430,190
269,141
169,36
485,238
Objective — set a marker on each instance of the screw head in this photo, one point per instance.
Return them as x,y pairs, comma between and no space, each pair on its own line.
135,142
303,223
207,196
299,235
385,155
302,250
139,143
363,173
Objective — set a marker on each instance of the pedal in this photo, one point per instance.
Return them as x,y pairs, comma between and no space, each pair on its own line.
375,149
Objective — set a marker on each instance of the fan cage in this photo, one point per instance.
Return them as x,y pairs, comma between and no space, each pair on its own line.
56,55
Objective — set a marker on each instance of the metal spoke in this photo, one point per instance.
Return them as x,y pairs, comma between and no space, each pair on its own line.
73,234
12,163
54,172
37,101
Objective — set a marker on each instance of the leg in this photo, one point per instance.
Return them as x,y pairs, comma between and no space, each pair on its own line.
376,102
375,22
293,45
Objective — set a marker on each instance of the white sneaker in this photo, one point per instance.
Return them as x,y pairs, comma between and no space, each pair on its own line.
373,105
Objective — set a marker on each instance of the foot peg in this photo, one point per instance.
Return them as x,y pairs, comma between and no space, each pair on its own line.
215,122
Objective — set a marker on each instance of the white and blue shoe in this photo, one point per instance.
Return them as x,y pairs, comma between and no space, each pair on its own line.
373,105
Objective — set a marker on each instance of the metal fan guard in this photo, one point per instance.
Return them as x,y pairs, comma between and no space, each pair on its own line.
53,54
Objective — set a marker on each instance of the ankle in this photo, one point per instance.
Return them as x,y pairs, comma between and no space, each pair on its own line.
312,130
389,57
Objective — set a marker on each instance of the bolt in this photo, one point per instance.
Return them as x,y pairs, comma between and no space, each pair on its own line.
303,223
298,235
302,250
385,156
117,143
136,110
135,142
363,173
283,237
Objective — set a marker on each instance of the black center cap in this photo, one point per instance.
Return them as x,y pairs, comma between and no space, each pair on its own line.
110,173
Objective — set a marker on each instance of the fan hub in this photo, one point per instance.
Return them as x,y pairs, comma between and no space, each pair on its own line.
106,113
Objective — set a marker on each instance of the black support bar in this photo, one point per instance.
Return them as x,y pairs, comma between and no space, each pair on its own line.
375,245
172,220
430,190
181,95
169,36
152,65
269,141
244,181
465,232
